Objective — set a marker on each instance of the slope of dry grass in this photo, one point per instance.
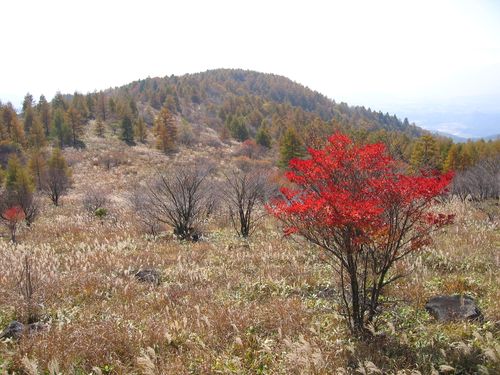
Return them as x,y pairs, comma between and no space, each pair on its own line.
263,306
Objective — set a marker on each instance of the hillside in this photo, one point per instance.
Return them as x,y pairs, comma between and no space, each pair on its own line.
212,96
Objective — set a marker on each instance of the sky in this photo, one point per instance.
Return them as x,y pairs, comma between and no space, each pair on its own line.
386,55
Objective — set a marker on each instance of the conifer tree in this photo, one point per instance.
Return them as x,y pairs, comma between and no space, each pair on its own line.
58,180
290,147
29,119
452,162
17,133
43,109
99,128
127,130
166,130
102,109
37,137
140,130
19,189
263,137
75,124
60,130
38,168
425,155
27,102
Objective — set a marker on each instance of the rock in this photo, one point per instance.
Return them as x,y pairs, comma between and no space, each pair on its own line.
14,330
36,327
148,275
456,307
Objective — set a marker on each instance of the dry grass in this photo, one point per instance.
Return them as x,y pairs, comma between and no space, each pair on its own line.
224,305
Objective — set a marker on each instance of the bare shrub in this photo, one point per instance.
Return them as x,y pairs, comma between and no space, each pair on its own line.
112,159
245,193
95,199
28,285
141,205
480,182
179,198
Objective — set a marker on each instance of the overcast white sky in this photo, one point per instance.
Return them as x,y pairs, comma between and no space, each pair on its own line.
362,52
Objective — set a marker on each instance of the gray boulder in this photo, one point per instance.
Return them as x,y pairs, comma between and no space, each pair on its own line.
37,327
148,275
456,307
14,330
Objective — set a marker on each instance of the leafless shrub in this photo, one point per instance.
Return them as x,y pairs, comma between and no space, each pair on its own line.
186,135
28,287
141,205
244,194
112,159
480,182
179,198
95,199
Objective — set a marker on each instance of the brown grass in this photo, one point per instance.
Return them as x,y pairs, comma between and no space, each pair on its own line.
225,305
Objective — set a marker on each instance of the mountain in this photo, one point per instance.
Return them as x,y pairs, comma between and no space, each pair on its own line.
217,97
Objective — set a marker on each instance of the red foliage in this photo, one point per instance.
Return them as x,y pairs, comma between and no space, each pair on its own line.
356,204
356,188
14,214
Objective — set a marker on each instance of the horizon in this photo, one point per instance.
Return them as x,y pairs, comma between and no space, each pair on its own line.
408,59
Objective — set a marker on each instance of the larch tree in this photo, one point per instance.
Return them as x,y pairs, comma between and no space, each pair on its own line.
37,138
60,130
290,147
165,130
99,128
58,176
425,155
19,190
38,168
75,123
140,130
43,109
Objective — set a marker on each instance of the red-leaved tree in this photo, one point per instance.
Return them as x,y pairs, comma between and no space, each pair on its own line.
356,204
13,217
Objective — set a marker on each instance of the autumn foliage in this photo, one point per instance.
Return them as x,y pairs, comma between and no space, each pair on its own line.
355,203
12,217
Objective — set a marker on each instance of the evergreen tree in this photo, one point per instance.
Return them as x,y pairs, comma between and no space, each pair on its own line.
127,130
263,137
59,103
28,102
290,147
238,129
43,109
60,130
165,130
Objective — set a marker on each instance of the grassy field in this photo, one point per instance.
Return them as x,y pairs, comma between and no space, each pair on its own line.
225,305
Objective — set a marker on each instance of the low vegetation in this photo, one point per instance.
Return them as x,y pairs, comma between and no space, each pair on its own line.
139,237
226,304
